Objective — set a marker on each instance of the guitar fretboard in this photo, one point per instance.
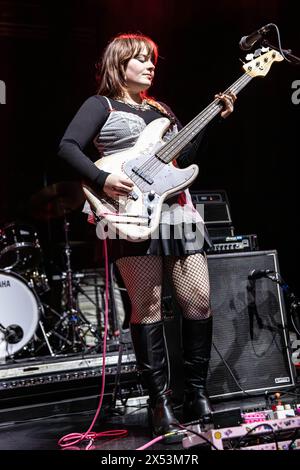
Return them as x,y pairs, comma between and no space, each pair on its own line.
171,150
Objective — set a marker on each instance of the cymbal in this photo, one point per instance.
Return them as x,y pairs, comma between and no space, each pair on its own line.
56,200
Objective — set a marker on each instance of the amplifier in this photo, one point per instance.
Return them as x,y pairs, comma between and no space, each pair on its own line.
237,243
33,378
213,206
49,370
251,345
220,231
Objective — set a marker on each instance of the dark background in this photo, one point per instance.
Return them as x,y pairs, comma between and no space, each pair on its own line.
48,52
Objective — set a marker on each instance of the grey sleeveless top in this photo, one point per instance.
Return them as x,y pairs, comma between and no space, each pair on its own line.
120,132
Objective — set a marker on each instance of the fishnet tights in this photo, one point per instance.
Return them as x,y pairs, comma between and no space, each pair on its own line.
143,277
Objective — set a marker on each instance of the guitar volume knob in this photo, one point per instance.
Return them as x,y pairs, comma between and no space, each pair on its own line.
150,209
151,195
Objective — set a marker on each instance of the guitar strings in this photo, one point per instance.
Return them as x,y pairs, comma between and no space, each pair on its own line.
198,121
195,126
192,126
215,105
213,108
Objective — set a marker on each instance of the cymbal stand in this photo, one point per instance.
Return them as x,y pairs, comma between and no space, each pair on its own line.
72,318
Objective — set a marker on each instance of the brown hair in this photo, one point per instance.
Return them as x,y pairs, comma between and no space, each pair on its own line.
111,69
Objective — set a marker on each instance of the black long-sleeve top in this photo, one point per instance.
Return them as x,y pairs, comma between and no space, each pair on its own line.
77,145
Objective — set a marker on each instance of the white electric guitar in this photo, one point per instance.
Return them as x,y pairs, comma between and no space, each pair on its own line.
149,164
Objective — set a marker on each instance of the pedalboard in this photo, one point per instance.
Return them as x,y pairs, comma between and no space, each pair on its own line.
274,429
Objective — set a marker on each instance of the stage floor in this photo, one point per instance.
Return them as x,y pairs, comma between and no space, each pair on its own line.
39,427
43,433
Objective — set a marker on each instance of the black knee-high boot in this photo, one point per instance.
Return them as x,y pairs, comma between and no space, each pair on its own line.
150,350
197,340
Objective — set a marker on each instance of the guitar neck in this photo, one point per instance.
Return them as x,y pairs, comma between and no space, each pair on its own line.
171,150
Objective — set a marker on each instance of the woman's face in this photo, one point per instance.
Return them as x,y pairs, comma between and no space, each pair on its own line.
139,72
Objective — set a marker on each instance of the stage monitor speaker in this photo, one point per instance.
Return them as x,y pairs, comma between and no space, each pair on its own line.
250,327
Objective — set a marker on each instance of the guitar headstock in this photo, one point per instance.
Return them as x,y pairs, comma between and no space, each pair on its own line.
260,62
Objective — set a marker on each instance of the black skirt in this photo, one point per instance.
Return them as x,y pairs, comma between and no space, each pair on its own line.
172,240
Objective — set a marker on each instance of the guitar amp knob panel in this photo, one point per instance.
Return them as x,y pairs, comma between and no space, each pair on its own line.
236,243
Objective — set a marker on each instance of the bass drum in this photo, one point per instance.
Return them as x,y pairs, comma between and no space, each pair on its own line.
19,313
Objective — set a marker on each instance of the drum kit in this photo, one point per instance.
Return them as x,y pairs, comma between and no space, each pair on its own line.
25,327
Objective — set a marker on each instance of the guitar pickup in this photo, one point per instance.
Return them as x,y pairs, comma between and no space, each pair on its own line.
137,171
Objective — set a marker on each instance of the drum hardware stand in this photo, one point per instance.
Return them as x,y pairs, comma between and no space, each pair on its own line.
91,328
46,339
113,320
113,310
72,316
48,335
52,332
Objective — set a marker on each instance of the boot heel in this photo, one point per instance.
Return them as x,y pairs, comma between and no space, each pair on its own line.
196,406
162,421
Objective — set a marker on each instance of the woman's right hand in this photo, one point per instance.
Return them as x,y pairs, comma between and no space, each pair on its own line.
116,185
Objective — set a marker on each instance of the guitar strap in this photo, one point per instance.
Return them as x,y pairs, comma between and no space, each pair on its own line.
110,108
160,108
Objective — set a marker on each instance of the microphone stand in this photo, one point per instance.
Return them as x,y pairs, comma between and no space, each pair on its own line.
294,302
3,329
287,53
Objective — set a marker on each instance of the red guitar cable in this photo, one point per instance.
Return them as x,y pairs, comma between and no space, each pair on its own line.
74,438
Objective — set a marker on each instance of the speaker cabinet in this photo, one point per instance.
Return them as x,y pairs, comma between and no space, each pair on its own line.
250,333
215,205
250,327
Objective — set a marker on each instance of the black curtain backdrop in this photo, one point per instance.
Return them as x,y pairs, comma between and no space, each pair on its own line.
48,52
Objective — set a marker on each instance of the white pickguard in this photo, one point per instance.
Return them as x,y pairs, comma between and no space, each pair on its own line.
136,218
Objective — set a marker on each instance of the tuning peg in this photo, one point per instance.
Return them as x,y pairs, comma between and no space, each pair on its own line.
249,56
257,53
